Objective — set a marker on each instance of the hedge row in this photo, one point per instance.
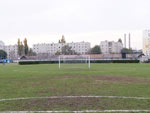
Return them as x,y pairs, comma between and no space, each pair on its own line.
37,62
79,61
115,61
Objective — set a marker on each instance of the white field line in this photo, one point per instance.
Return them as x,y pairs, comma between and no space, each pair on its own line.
63,97
86,111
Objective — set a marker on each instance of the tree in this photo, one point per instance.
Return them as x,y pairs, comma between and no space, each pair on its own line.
127,51
95,50
31,53
66,50
19,48
119,40
62,40
23,48
3,54
26,49
58,53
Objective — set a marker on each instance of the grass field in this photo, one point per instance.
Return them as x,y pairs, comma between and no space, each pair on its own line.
130,80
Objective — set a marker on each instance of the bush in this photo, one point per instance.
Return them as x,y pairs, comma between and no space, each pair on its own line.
80,61
36,62
115,61
126,61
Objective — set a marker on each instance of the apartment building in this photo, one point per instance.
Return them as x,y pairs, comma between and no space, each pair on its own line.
52,48
12,51
146,42
2,45
109,47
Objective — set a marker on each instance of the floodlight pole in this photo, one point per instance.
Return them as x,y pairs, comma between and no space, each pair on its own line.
89,63
59,62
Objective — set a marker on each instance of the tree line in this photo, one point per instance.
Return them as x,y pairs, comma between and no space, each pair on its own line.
23,48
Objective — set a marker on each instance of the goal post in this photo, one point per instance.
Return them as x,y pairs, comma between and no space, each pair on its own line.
89,64
74,59
59,62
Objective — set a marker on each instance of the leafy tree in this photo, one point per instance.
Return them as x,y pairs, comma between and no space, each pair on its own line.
119,40
19,48
31,53
62,40
66,50
95,50
58,53
23,48
127,51
26,49
3,54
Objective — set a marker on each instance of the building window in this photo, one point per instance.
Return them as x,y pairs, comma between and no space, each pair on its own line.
148,34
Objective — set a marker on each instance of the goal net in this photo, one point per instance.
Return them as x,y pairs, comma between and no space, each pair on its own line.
74,59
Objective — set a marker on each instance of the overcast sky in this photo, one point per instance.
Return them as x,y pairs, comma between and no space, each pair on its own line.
79,20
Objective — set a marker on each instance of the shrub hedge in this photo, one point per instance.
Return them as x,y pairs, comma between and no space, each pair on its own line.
115,61
73,61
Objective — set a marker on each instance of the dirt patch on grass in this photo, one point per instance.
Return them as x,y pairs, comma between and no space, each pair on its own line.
121,79
70,76
64,77
58,104
109,78
74,104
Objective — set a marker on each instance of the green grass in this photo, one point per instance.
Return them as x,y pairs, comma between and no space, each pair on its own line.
74,80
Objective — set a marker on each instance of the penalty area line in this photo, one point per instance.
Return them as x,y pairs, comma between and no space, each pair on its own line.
63,97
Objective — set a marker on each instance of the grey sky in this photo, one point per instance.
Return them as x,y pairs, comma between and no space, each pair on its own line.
88,20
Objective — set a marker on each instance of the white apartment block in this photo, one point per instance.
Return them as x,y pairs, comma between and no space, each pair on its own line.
12,51
108,47
2,45
146,42
79,47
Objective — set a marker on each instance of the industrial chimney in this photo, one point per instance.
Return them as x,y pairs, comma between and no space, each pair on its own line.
129,41
125,40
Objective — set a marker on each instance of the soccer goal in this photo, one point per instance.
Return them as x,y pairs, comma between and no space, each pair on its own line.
74,59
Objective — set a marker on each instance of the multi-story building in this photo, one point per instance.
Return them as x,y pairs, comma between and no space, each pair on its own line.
2,45
12,51
51,49
146,42
109,47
